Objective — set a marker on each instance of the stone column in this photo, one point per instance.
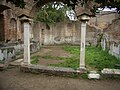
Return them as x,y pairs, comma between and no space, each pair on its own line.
82,49
84,18
26,43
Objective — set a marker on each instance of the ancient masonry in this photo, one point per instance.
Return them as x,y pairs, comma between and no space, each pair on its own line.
11,28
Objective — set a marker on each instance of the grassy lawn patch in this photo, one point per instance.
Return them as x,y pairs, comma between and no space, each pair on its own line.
35,59
100,59
95,58
70,62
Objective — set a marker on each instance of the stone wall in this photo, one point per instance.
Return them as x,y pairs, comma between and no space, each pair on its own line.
7,53
11,26
11,51
103,19
62,33
111,38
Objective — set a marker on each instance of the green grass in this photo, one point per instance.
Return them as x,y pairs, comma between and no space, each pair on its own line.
53,57
71,62
95,58
35,59
100,59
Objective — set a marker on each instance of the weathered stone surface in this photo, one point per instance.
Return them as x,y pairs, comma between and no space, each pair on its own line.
7,53
111,38
49,70
93,75
63,33
111,72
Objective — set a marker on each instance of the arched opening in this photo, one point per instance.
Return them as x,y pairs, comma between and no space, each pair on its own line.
13,30
2,22
2,34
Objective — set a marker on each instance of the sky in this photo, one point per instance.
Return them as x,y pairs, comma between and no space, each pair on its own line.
107,9
71,14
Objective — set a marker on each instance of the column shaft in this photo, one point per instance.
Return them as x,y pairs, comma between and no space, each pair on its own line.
82,49
26,43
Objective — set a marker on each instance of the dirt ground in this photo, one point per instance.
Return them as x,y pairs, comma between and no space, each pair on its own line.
54,51
13,79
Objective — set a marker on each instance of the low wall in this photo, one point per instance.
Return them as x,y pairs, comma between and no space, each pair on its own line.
10,52
114,49
7,53
59,71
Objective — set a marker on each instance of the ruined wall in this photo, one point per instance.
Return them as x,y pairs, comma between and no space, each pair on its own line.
111,38
103,19
62,33
12,26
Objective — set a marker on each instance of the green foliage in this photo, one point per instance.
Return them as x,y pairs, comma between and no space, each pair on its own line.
72,3
95,58
100,59
18,3
71,62
52,13
35,59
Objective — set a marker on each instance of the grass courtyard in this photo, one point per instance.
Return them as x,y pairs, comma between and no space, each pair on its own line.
96,58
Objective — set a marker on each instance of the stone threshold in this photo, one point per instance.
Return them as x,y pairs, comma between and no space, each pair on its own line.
106,72
59,71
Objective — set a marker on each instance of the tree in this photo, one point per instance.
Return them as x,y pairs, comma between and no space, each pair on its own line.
52,13
18,3
102,3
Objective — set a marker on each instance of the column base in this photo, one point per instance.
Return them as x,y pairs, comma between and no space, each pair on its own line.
25,63
82,70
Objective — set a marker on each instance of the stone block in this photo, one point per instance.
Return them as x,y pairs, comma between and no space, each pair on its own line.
93,75
106,72
59,71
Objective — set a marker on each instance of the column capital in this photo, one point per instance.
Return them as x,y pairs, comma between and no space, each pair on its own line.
84,17
25,18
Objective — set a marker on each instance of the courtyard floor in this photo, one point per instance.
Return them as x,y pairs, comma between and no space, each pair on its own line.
13,79
50,52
